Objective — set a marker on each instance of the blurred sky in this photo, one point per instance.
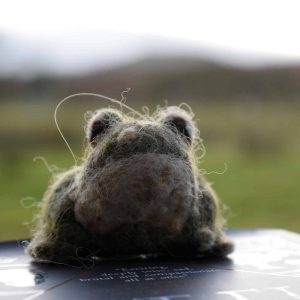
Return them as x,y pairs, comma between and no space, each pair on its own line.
70,36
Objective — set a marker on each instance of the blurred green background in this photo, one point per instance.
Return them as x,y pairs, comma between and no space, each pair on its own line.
258,141
240,77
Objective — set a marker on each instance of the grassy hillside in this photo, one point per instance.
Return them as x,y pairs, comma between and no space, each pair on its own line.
259,143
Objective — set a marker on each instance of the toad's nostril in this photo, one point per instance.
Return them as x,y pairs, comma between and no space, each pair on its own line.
127,135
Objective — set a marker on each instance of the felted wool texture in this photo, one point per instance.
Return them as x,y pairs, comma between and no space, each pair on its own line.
137,191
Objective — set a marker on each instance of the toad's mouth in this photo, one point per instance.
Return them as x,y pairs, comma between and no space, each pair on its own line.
153,189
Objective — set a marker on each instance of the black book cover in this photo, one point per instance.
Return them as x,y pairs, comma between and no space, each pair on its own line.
265,265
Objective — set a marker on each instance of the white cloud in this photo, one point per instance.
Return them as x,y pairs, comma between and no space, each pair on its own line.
257,25
73,32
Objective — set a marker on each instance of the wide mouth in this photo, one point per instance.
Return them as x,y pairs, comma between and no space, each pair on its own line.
153,189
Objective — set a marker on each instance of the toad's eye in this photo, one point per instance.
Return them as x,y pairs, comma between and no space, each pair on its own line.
100,122
181,121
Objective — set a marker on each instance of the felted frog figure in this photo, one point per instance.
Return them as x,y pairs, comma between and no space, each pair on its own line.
137,191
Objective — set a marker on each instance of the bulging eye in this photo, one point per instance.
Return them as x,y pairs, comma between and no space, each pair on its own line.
180,121
101,121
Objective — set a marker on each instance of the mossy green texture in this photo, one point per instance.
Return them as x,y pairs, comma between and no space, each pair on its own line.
137,191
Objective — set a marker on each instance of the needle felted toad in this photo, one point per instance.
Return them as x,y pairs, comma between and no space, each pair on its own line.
137,191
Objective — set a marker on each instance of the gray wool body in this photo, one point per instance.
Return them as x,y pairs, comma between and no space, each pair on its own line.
137,191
